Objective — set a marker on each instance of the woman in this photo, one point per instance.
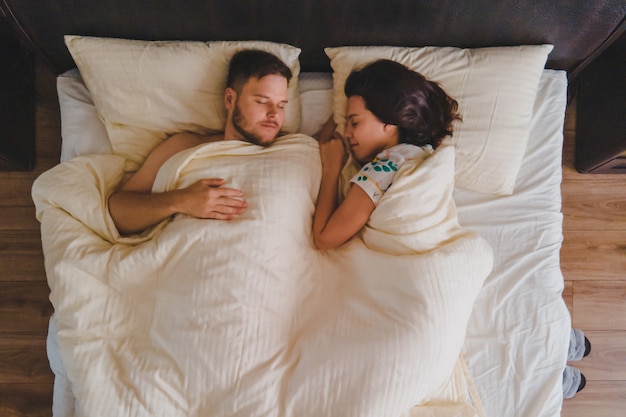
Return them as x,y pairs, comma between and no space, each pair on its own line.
393,115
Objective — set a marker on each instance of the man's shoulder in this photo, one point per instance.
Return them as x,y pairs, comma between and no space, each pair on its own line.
189,139
285,136
180,142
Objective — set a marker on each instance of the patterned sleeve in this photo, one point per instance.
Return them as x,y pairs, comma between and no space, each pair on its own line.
375,177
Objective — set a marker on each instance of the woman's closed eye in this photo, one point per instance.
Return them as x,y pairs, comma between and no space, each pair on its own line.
353,120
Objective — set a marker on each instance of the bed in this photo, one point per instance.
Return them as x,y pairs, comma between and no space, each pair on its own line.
458,313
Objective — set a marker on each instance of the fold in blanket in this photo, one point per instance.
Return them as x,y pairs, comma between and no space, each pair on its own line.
245,317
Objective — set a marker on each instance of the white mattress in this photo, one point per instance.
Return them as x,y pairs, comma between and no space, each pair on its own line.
516,345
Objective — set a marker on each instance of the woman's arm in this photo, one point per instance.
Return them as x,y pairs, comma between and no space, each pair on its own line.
344,222
335,224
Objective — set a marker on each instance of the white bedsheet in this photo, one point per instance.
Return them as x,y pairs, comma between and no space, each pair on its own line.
517,336
517,340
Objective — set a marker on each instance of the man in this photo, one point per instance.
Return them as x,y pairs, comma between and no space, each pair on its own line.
255,98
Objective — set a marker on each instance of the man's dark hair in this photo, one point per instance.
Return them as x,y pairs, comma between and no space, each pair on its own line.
254,63
400,96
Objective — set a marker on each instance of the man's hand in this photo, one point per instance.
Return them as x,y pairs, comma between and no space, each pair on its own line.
134,211
207,199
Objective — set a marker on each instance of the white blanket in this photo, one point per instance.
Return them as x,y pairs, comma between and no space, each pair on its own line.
245,317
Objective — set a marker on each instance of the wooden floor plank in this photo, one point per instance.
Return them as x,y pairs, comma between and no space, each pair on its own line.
598,207
18,218
21,256
597,399
24,308
15,189
22,266
600,305
588,255
26,400
607,359
23,360
20,240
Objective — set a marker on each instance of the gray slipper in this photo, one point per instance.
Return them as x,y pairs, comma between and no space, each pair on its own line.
579,345
573,381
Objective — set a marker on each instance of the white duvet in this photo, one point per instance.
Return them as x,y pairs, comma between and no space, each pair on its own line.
245,317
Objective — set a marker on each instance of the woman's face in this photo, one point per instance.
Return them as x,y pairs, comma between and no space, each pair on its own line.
365,133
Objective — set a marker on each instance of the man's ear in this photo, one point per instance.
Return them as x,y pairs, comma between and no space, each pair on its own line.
230,97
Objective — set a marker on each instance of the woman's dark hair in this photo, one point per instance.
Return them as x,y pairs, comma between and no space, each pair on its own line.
397,95
254,63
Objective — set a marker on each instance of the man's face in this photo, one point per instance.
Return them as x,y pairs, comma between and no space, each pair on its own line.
258,112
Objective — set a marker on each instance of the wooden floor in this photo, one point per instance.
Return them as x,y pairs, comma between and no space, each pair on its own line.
25,377
593,262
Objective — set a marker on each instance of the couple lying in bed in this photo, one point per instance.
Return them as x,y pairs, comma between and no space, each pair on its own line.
393,114
187,320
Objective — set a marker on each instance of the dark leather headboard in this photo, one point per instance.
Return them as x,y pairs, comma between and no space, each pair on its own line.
579,29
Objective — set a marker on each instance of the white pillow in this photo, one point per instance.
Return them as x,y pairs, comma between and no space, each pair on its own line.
316,98
84,133
81,129
145,91
495,88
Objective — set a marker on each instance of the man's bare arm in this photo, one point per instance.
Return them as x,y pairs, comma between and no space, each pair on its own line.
134,207
133,211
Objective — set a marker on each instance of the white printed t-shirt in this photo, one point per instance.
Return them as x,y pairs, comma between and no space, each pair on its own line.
376,177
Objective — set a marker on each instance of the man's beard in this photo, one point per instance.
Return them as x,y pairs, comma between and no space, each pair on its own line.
238,120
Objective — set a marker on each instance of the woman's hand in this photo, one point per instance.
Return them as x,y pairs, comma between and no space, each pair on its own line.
327,131
332,150
333,154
